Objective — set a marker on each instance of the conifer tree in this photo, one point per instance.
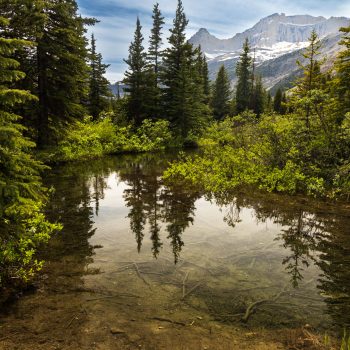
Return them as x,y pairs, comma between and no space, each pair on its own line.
269,107
258,96
173,57
220,102
137,78
99,85
26,18
341,83
183,94
205,77
284,105
62,68
243,72
277,101
154,52
22,225
154,57
311,78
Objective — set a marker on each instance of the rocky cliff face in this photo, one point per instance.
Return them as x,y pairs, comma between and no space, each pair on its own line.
269,31
277,42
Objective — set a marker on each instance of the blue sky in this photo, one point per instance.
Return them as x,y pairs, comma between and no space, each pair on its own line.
223,18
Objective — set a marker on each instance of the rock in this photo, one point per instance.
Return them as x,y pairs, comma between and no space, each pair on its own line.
134,338
115,330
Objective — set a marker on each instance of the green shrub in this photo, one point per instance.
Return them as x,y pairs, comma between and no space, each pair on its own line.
275,153
89,139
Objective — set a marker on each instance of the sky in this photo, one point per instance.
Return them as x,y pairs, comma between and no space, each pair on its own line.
222,18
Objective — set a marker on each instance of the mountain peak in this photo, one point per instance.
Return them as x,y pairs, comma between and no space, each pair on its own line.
203,31
276,29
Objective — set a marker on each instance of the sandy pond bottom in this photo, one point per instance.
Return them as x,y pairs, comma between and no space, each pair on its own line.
251,272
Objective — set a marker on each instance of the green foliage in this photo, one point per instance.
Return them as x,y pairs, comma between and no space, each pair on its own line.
154,59
307,151
258,96
244,84
99,85
139,79
341,81
183,79
91,139
220,102
23,226
271,154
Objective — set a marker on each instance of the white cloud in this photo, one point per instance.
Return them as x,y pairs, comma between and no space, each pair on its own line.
223,18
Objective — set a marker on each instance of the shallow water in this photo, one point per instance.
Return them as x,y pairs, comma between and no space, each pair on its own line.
141,265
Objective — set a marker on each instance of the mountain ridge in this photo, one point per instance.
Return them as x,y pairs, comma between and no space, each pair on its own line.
271,30
276,39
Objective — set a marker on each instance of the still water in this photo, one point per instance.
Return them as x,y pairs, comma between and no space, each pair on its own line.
144,265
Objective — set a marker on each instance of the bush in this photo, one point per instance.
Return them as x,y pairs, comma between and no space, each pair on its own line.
275,153
89,139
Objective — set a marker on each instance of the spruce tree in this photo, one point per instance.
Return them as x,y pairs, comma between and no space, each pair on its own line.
205,77
173,58
311,78
61,68
341,82
22,225
155,42
154,57
220,102
204,72
258,96
182,80
137,78
243,72
269,107
99,85
284,105
26,18
277,101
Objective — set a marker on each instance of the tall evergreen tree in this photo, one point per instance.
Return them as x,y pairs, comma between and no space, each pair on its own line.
173,57
221,96
205,77
341,83
99,85
277,101
22,225
154,57
311,78
155,42
244,83
26,18
181,79
62,70
137,78
258,96
268,102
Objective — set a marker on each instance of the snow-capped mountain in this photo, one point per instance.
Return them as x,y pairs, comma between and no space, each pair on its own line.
271,38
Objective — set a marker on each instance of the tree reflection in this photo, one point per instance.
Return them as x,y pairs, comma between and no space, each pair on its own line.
179,212
72,203
309,235
152,204
134,199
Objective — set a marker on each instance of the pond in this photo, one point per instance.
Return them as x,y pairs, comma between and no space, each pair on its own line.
142,265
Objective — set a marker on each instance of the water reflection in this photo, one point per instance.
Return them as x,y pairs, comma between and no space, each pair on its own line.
311,234
154,204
